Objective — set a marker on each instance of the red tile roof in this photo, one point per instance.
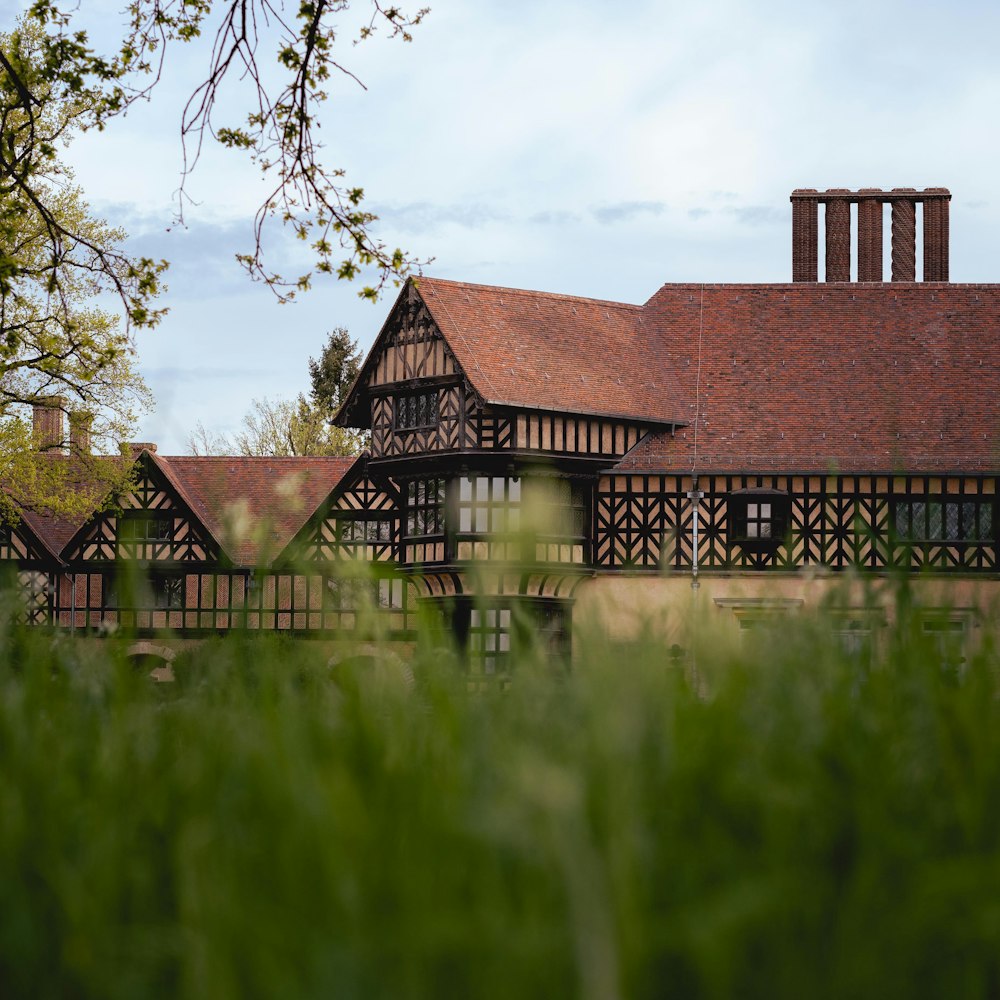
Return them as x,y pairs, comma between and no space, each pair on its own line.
52,532
557,352
815,377
253,506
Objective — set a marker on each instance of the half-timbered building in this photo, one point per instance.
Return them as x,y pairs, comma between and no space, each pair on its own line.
536,455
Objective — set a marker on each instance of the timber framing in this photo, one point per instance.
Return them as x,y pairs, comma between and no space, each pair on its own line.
532,451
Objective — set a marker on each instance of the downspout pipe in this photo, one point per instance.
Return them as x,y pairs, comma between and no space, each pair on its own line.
695,496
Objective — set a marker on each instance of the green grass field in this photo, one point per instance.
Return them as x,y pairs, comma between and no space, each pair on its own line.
780,823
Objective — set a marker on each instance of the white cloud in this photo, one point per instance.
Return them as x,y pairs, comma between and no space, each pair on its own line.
573,147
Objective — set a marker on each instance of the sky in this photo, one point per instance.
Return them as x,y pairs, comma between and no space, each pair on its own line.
577,147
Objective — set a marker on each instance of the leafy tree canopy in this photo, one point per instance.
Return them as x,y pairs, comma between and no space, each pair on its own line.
57,348
333,373
278,130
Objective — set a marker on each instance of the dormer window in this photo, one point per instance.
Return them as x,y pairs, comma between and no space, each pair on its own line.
143,526
416,410
758,518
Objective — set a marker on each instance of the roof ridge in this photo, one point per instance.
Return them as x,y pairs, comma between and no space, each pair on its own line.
534,293
261,458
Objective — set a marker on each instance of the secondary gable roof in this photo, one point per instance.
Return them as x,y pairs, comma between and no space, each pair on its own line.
253,506
356,475
250,507
41,534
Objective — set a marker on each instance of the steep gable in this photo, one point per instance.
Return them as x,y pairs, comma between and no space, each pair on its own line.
409,347
26,542
521,349
254,506
535,350
151,522
358,519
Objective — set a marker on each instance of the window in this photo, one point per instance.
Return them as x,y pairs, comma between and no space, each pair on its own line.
389,593
855,630
947,632
758,518
346,594
416,410
142,526
425,507
161,592
489,638
546,515
354,593
496,636
168,591
364,531
560,506
933,519
109,592
488,504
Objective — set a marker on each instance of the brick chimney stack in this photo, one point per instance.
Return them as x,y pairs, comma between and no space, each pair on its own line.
936,234
47,423
80,425
838,235
904,235
805,235
870,201
869,235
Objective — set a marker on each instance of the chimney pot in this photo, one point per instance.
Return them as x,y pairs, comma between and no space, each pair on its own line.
838,236
80,425
904,237
47,423
870,235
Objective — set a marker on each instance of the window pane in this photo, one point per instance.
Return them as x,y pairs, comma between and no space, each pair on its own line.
902,519
951,527
934,522
752,510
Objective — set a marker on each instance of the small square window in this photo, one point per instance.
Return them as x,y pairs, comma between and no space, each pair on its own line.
758,522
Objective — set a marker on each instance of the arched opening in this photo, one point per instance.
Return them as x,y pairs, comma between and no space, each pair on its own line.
380,665
153,660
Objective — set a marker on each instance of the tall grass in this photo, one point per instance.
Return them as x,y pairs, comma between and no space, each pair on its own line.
779,823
